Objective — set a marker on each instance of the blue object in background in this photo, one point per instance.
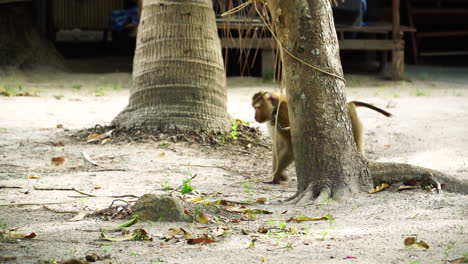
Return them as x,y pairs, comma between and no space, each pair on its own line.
363,11
121,18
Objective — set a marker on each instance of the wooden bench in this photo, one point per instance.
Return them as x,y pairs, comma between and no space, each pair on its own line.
390,38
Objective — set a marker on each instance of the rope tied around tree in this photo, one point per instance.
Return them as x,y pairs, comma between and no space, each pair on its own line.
268,25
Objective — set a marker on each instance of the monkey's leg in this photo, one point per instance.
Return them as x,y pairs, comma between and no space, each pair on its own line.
285,158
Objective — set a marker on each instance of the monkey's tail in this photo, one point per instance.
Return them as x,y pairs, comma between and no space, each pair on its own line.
375,108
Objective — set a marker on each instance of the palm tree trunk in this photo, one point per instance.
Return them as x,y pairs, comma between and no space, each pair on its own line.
178,73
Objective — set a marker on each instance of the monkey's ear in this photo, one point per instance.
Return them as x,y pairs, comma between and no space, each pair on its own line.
273,98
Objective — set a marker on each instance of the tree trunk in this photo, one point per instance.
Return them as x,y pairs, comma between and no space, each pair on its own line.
22,47
178,73
326,157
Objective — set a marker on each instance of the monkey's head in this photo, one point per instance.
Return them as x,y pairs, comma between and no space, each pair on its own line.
264,103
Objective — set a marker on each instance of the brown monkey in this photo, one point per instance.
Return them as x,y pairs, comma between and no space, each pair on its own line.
266,105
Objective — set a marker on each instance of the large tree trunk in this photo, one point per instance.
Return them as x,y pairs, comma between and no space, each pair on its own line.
178,73
326,158
22,47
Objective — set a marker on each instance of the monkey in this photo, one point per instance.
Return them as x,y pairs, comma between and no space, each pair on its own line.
268,104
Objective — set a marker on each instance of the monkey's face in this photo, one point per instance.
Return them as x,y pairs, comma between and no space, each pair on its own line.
263,106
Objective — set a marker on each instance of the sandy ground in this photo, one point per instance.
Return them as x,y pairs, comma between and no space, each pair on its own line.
429,128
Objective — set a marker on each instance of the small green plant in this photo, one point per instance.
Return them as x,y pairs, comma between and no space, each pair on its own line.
324,235
71,252
280,224
222,137
100,91
421,92
457,93
7,90
133,253
187,185
166,186
29,247
447,249
330,219
117,86
217,220
424,75
77,86
106,248
58,96
250,191
234,132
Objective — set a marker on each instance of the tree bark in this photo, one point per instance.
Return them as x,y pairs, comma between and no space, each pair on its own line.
326,157
178,73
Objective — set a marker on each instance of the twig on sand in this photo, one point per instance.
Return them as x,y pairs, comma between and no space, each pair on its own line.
88,158
83,193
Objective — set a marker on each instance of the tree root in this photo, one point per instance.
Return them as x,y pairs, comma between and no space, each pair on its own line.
308,196
389,172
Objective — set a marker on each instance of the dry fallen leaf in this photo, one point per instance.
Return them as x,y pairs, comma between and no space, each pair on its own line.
458,261
235,209
196,199
203,240
58,144
409,241
262,230
188,212
379,188
80,216
261,200
73,261
220,230
408,187
93,257
302,218
138,234
423,244
412,242
58,161
223,202
18,235
59,126
177,233
34,177
200,217
98,137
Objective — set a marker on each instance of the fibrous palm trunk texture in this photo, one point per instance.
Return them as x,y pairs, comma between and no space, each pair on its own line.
178,73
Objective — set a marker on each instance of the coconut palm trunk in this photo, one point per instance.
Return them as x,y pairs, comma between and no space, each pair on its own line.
178,73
